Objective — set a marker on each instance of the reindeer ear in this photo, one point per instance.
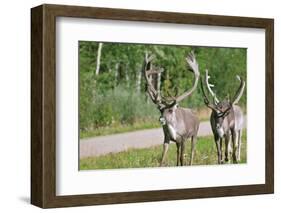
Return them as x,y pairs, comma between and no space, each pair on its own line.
176,105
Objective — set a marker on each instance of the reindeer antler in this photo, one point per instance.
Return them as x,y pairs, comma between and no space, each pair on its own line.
237,95
239,91
209,86
206,100
154,95
193,65
216,101
214,105
171,100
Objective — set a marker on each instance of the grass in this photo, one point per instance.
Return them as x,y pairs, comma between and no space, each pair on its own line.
205,154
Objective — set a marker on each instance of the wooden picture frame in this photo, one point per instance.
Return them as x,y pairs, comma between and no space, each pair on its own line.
43,105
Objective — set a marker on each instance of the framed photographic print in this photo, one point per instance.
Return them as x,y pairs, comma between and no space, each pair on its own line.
136,106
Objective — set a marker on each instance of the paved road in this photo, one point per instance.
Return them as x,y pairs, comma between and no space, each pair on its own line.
102,145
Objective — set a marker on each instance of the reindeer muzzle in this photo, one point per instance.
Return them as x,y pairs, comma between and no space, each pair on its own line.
220,131
162,120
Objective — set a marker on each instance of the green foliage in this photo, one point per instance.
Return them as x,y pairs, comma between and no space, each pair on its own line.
205,154
114,108
113,97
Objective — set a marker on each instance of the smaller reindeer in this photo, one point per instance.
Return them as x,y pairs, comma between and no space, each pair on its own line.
226,120
179,124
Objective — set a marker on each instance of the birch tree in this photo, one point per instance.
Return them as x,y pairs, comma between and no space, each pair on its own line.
98,58
138,79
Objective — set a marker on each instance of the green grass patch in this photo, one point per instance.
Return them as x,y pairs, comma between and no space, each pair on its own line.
205,154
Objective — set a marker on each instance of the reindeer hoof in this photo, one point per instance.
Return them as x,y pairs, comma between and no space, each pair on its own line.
220,162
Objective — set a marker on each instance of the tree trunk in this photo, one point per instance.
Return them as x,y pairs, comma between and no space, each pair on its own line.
150,78
127,74
158,82
116,74
138,80
98,58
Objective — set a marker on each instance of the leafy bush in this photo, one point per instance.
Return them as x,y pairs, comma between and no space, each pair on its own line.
115,107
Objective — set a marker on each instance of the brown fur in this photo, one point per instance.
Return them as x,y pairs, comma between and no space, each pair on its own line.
186,125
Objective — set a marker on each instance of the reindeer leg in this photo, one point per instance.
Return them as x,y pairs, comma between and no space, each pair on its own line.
234,145
193,143
178,153
239,145
182,152
165,150
227,136
221,158
230,151
217,140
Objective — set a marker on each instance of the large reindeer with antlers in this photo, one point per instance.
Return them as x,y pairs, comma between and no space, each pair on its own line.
226,120
179,124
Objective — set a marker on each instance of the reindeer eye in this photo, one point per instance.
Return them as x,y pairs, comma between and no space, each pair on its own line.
170,111
219,115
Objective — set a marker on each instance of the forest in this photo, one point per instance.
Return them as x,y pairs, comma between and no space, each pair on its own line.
112,89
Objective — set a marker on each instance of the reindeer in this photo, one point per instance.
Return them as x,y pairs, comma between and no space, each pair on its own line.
226,120
179,124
